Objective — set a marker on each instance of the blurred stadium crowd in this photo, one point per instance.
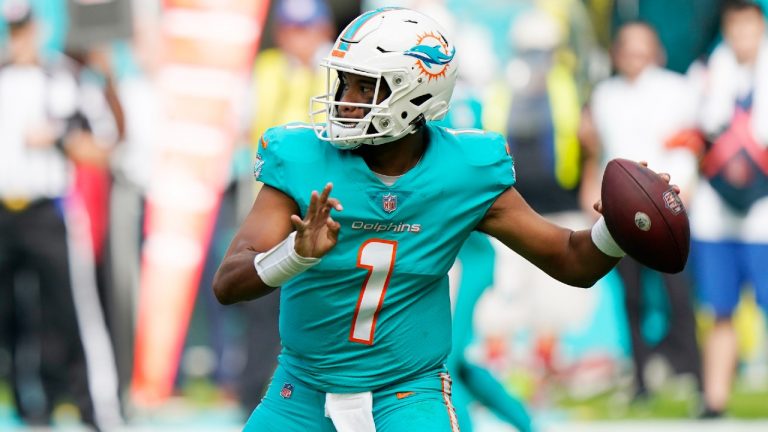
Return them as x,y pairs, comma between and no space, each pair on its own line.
126,152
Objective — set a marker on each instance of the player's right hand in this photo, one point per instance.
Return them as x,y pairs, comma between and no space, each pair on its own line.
317,233
598,206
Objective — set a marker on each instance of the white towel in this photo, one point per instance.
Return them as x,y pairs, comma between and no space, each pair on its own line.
350,412
723,90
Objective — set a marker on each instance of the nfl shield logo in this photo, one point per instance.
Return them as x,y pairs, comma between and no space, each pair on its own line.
389,202
287,391
672,201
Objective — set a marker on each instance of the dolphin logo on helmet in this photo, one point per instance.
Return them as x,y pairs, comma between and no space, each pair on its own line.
431,57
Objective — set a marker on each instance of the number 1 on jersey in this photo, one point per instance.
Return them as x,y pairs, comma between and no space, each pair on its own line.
378,257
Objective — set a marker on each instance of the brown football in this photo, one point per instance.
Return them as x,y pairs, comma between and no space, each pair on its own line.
645,216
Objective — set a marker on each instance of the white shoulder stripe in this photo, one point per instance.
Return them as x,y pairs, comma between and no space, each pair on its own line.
301,126
464,131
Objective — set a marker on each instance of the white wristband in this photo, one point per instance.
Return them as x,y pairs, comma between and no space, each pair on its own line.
604,241
279,264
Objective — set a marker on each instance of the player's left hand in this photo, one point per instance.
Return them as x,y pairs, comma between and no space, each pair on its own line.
598,206
317,233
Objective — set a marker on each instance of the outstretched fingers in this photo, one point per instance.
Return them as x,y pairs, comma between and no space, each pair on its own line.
326,192
326,202
317,232
312,208
334,204
319,210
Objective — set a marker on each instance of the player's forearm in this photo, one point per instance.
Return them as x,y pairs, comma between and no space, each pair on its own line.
577,262
585,264
237,280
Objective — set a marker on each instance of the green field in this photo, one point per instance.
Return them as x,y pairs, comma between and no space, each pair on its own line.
745,404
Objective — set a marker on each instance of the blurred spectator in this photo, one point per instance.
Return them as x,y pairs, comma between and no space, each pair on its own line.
285,78
473,382
580,50
632,115
730,208
537,108
687,29
40,126
542,116
102,127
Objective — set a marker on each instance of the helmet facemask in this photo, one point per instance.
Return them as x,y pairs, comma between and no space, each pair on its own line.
374,128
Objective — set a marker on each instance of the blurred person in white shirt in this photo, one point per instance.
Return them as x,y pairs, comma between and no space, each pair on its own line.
41,134
633,115
730,208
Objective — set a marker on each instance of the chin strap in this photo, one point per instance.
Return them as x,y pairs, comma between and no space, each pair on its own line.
351,144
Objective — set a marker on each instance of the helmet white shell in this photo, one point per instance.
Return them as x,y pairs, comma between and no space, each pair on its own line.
403,48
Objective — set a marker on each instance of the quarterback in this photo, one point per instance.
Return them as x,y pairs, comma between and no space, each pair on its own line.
359,220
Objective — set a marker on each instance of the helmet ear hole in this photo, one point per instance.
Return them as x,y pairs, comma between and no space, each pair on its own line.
403,115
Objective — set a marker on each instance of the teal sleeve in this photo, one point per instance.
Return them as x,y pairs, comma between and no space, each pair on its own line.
270,163
477,171
487,152
493,168
504,168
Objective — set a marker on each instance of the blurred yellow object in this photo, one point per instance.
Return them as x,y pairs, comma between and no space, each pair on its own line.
565,111
15,204
66,414
282,89
750,327
749,323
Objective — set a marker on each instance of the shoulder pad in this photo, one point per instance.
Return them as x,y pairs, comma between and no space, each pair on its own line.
292,142
477,147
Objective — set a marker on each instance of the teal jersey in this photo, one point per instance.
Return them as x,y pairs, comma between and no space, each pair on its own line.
376,309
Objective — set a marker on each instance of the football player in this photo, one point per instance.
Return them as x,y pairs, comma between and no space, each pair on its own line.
365,316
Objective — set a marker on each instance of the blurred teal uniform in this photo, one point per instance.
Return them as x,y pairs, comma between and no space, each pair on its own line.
374,314
473,382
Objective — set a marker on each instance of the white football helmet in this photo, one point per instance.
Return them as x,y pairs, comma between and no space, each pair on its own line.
409,52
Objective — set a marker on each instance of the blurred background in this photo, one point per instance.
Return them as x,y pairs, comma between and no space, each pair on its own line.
128,130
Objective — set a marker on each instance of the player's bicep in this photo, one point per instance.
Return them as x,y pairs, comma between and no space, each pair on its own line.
511,220
267,224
